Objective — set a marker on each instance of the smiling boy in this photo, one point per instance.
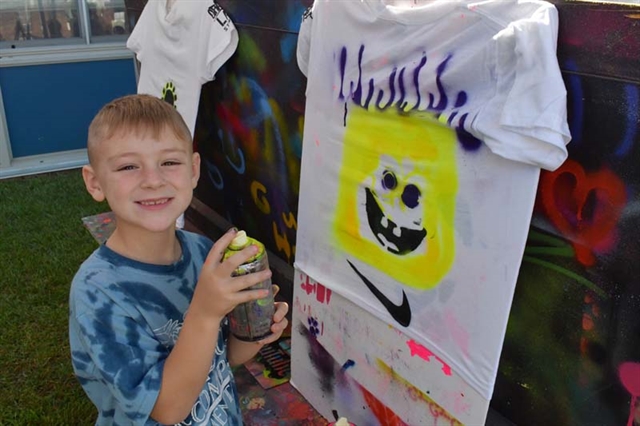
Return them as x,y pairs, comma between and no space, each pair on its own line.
149,338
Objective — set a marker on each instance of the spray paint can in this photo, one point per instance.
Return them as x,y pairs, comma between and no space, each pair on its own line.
252,320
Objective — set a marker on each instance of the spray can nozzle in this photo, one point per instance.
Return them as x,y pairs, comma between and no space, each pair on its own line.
240,241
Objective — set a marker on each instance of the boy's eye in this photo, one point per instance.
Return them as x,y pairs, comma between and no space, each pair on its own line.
171,163
127,167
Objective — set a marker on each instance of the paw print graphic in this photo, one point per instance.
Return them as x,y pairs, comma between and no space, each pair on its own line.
169,94
313,326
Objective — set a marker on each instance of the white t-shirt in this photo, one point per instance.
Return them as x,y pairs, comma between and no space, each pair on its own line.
425,130
180,50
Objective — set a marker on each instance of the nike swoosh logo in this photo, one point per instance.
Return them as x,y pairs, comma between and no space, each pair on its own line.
401,313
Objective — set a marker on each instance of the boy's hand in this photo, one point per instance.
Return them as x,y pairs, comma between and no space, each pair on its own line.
280,320
217,292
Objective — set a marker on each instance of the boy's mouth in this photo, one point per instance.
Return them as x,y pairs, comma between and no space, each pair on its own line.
156,202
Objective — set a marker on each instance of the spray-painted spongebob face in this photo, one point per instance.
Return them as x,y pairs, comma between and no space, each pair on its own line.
396,198
392,200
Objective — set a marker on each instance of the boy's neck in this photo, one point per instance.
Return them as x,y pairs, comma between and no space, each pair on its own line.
157,248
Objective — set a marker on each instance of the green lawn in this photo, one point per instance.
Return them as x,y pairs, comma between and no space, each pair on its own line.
42,243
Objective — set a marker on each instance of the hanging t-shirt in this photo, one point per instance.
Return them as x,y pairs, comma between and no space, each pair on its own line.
425,130
180,47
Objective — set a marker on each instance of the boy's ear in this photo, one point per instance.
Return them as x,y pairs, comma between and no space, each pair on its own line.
92,184
195,169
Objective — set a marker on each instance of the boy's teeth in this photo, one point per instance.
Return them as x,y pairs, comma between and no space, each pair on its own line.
153,203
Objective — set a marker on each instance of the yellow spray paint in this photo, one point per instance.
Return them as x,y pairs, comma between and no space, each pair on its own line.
418,395
396,198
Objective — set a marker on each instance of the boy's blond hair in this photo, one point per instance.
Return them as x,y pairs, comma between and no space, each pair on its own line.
135,114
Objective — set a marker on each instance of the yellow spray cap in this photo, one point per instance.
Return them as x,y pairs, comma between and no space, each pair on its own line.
240,241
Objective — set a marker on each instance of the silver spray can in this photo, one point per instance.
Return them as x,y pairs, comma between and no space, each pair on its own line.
252,320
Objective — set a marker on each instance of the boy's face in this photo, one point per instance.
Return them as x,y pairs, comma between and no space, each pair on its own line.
148,182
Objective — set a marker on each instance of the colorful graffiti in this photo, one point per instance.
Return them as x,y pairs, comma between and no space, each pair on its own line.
629,373
337,380
249,133
573,341
572,346
349,363
584,207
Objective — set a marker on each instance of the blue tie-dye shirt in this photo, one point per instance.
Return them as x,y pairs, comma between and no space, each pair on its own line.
124,320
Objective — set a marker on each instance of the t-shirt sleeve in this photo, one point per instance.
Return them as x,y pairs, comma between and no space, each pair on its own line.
127,357
304,40
137,37
222,40
526,120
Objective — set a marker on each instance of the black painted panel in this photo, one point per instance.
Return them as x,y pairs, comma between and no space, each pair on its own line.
600,39
574,322
573,339
283,15
249,133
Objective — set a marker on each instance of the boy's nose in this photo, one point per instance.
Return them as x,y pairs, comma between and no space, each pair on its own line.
152,177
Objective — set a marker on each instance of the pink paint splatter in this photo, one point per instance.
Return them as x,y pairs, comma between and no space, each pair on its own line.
456,401
323,294
459,335
308,287
629,373
426,354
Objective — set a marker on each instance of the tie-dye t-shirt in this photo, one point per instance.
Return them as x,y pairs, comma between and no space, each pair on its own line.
125,317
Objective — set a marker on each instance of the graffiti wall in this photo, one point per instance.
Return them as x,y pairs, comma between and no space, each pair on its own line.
572,349
249,129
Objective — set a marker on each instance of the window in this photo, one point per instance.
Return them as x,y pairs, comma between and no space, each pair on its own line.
107,20
33,23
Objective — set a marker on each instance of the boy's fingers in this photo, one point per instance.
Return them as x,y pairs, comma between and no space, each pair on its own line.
282,325
275,289
281,311
250,295
234,261
274,336
267,340
276,332
245,281
217,251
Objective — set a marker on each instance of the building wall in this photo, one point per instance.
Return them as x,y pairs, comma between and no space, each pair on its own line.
49,106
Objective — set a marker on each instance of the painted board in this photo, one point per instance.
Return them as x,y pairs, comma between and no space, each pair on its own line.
346,362
419,168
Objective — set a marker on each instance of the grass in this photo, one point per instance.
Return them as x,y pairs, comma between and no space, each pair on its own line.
42,243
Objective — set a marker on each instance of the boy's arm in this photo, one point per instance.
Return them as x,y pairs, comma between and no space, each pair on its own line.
239,352
187,367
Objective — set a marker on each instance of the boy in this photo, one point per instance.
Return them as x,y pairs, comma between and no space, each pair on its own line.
148,330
